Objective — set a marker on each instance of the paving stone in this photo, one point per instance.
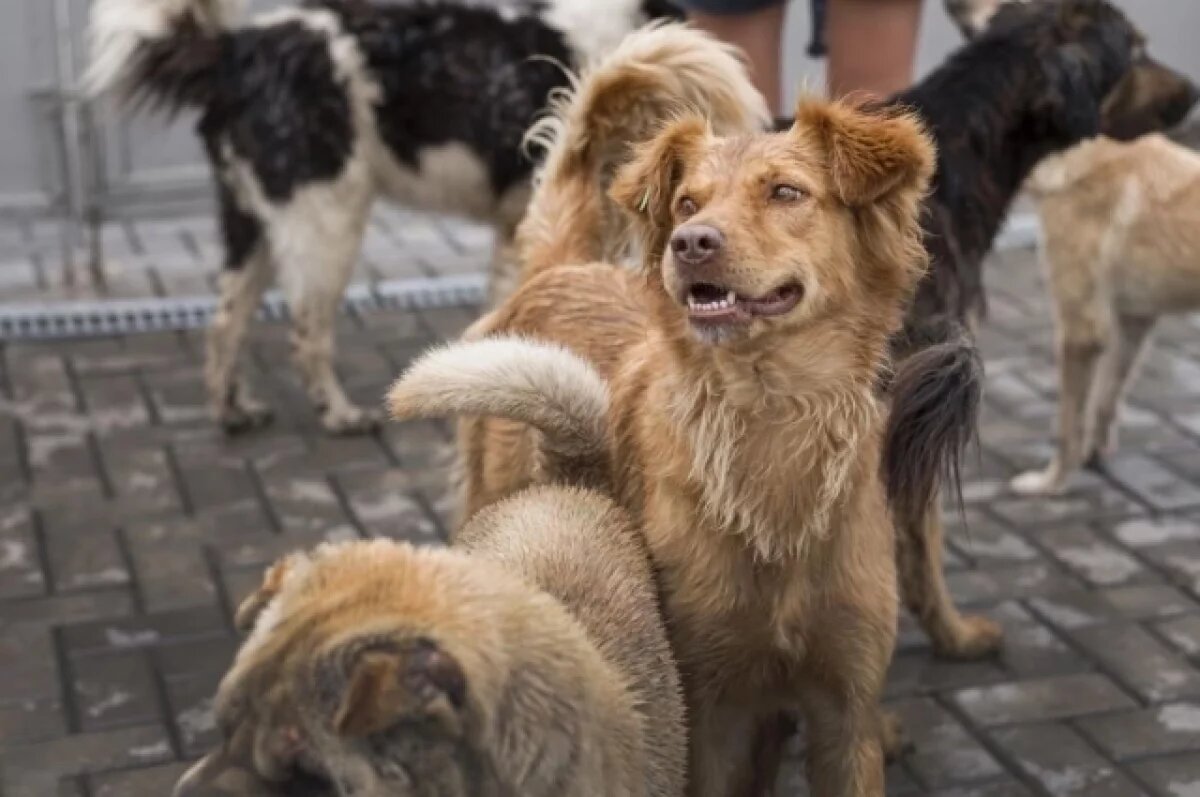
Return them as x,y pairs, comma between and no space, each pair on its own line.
943,753
113,690
1183,633
1178,776
1094,560
1042,699
154,780
1063,763
1140,661
1159,730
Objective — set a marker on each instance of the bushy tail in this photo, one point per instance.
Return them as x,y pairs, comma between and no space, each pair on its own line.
158,52
540,384
935,402
656,74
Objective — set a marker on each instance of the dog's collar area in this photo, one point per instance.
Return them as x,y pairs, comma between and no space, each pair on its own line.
709,302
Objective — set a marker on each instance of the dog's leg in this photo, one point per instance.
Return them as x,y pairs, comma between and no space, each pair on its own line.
316,249
1118,366
845,746
241,288
722,749
1078,355
924,591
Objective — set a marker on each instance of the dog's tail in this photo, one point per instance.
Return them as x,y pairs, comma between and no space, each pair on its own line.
656,74
540,384
159,52
935,402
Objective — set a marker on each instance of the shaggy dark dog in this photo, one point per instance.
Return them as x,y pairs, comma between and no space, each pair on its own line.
1039,78
309,113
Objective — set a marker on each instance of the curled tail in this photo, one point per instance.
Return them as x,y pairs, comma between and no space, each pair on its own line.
656,74
935,400
540,384
159,52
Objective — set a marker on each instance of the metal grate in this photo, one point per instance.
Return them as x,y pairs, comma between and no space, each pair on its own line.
57,320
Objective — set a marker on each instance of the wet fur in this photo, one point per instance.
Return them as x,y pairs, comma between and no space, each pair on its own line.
1039,77
308,114
508,666
1120,248
753,465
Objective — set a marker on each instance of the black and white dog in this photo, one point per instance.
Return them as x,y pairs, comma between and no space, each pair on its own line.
309,113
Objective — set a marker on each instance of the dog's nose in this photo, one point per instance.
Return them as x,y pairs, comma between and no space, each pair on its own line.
696,244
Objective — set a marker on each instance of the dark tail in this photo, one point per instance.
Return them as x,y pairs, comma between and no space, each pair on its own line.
935,396
163,54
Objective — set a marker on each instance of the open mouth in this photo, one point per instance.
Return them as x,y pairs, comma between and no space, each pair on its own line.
708,303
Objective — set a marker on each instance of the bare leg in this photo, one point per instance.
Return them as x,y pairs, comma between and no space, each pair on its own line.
923,588
872,46
1078,355
241,289
1111,382
759,34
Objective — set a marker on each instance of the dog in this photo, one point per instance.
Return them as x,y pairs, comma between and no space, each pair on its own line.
307,114
729,387
508,666
1120,249
1035,78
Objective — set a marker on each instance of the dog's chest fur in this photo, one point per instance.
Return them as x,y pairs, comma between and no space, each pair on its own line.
750,516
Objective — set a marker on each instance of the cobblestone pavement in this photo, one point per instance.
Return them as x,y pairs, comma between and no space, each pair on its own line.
129,528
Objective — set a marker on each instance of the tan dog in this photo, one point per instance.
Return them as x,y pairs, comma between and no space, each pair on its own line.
740,421
531,660
1121,247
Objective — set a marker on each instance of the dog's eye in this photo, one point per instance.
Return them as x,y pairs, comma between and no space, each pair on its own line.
687,206
786,193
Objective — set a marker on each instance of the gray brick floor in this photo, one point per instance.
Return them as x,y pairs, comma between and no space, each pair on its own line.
129,529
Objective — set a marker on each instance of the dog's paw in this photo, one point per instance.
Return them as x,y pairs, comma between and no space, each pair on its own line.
892,738
352,421
1038,482
975,638
245,416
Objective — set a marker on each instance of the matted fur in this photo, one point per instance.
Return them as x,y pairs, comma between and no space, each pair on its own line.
750,457
530,660
309,114
655,74
1121,247
1039,77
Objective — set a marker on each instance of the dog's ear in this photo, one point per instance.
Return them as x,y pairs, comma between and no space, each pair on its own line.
416,681
248,611
1071,105
870,154
645,186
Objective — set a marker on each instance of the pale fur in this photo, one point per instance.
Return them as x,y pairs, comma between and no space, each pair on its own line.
117,28
1120,247
540,384
547,605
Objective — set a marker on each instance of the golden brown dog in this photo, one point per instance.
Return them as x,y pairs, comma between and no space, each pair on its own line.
530,660
730,386
1121,247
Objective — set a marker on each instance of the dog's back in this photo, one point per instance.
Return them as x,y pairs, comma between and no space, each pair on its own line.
532,659
1119,223
579,547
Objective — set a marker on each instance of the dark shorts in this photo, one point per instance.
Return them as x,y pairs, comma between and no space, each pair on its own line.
730,7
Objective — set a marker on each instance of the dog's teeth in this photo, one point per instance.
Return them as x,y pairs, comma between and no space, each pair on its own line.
731,297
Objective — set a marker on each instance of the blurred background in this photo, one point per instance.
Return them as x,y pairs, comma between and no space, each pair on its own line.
51,161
